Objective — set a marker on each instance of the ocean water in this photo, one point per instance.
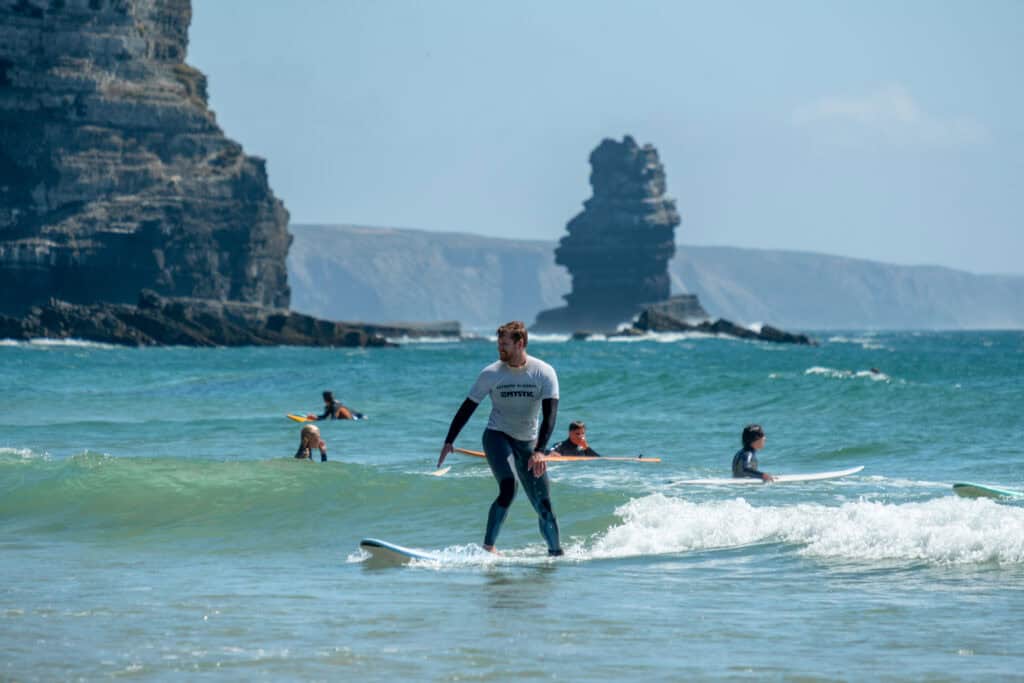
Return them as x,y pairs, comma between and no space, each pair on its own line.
153,525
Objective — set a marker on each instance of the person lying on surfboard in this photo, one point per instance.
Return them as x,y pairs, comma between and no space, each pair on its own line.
576,444
335,410
309,438
744,463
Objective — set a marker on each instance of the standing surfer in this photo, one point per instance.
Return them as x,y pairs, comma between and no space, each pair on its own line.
520,387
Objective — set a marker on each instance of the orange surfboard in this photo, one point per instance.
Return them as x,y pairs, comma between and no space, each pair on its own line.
569,458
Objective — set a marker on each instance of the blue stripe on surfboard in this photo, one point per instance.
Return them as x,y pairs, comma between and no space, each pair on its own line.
390,552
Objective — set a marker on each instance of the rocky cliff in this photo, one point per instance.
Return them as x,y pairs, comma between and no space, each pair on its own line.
618,248
114,175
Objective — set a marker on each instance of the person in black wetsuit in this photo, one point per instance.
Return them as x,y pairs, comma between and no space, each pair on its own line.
309,438
335,410
744,463
521,387
576,444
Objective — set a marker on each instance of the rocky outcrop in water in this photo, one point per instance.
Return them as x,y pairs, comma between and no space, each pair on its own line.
114,175
618,248
159,321
659,318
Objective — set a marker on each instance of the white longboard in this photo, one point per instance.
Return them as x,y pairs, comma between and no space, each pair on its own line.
389,553
969,490
779,478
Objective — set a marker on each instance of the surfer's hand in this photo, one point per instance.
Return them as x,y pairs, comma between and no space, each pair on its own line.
767,478
311,416
445,451
537,464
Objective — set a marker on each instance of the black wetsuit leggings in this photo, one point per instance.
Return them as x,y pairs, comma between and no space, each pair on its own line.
502,450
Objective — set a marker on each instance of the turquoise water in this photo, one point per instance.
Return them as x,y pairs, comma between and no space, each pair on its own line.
153,525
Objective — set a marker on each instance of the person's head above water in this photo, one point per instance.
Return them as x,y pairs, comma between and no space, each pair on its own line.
512,341
310,435
752,434
328,396
578,433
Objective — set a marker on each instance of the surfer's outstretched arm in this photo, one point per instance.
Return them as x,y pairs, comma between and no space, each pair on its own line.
458,422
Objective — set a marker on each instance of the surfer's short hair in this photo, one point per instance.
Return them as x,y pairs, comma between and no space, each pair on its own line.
328,395
752,433
573,426
516,330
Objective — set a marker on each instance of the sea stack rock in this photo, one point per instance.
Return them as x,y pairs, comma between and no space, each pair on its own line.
618,248
114,175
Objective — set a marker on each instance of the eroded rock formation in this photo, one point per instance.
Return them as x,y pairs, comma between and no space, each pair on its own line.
618,248
114,175
162,321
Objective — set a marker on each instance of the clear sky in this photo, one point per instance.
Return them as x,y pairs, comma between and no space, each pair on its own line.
892,131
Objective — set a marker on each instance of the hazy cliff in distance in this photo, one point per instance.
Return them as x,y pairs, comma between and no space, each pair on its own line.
345,272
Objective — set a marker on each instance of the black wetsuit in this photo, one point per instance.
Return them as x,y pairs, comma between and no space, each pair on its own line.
332,411
567,447
744,464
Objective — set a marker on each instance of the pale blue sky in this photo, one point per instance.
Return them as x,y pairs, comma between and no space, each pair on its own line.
892,131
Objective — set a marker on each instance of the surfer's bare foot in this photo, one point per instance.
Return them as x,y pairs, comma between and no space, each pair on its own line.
491,549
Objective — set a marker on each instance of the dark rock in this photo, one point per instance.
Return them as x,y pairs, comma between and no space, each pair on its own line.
655,319
683,307
114,174
618,247
163,321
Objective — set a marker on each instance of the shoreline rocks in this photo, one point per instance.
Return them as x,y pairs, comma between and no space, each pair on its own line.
166,321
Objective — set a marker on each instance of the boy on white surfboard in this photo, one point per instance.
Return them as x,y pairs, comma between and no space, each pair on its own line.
744,463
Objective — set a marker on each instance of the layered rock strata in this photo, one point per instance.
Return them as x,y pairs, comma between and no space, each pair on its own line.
163,321
114,175
618,248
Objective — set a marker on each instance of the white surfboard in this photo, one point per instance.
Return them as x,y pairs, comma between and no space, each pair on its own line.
389,553
970,490
779,478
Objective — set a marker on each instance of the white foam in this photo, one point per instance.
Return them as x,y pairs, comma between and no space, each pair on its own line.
667,337
867,343
836,373
47,343
942,531
23,453
424,340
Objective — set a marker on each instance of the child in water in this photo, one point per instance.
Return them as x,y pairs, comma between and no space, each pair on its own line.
576,444
744,463
309,438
